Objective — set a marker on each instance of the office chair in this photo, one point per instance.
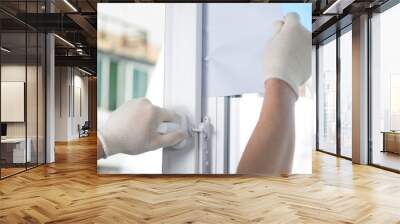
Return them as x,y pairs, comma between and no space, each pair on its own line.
84,130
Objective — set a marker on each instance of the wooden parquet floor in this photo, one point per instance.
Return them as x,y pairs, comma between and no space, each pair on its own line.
70,191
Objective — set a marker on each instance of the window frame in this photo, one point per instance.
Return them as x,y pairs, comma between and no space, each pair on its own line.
367,36
381,9
345,30
334,37
183,82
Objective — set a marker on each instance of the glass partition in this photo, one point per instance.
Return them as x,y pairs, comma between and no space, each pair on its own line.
41,96
31,99
14,153
22,88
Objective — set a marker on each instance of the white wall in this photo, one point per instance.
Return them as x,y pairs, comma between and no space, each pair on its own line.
80,82
68,82
12,73
34,125
61,103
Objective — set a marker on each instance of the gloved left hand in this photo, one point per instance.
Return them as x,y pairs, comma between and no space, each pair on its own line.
132,129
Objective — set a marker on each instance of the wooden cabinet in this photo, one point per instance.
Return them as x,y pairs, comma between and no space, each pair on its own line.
391,142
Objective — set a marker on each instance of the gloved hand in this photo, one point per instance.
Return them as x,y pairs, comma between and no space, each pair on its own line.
288,52
132,129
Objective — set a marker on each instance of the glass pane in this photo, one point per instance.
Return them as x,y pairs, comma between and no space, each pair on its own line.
41,99
313,87
31,98
346,94
14,154
112,94
32,93
327,97
130,65
244,114
139,83
386,89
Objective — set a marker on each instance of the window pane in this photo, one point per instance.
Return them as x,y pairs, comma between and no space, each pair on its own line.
31,100
327,97
139,83
385,114
346,94
244,114
112,94
131,66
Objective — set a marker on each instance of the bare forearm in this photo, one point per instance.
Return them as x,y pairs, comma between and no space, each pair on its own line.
99,150
271,146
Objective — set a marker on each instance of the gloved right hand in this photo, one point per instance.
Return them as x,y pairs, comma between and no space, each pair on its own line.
132,129
288,52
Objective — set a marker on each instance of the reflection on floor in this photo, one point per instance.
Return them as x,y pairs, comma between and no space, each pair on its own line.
10,169
387,159
70,191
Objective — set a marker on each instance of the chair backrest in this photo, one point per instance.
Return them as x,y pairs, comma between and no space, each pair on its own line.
86,124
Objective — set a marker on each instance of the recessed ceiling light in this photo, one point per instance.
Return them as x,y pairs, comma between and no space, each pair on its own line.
84,71
64,40
70,5
5,50
338,6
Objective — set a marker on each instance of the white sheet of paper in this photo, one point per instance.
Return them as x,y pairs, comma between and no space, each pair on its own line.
236,36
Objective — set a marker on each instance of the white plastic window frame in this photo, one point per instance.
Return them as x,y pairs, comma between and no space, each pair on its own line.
184,25
183,81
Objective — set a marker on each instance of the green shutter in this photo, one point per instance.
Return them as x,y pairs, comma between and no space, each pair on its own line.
140,80
112,94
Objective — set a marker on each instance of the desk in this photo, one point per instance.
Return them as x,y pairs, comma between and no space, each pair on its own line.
13,150
391,141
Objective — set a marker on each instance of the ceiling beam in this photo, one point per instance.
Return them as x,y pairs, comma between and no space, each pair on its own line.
76,61
84,24
49,22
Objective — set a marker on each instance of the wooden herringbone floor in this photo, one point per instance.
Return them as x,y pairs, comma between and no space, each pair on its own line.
70,191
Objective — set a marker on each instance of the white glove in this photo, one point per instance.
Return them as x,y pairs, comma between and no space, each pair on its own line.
132,129
288,52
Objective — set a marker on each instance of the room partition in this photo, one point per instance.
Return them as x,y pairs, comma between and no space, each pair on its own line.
22,77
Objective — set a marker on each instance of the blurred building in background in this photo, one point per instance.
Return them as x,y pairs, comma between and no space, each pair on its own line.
125,61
